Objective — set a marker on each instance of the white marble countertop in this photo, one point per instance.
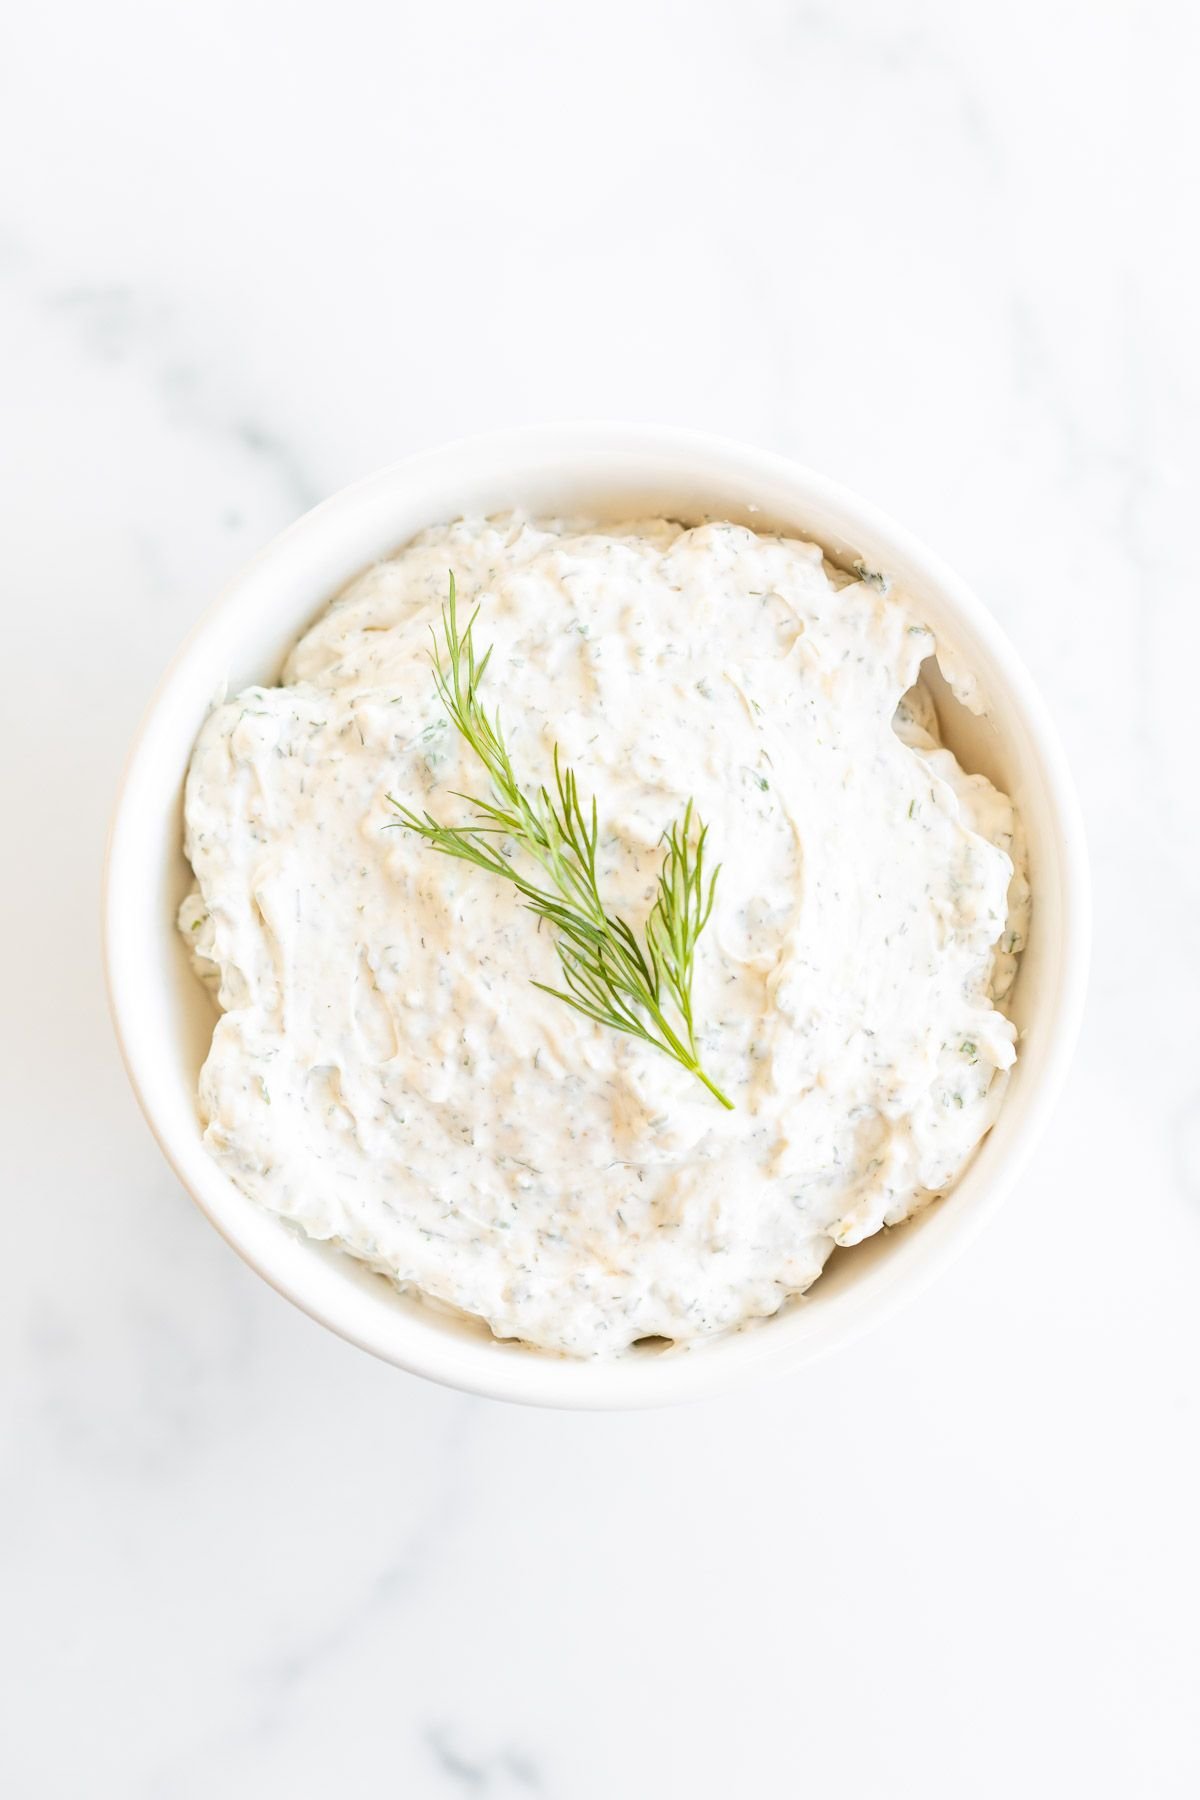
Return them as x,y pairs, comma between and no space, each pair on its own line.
945,252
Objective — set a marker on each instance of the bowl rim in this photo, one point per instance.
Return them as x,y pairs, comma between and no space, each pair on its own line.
537,1377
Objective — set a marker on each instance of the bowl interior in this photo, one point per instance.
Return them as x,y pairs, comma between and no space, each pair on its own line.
165,1019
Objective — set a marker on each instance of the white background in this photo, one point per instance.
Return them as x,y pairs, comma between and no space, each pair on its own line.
946,252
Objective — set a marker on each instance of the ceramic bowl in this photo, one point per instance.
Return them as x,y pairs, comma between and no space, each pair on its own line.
164,1019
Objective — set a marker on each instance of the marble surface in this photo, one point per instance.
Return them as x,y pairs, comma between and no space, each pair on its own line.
944,251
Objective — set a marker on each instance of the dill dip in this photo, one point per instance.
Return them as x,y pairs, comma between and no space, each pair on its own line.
385,1075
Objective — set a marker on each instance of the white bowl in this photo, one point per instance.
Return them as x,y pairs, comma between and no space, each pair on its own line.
164,1019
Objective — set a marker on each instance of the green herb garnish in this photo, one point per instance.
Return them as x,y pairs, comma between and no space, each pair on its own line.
609,974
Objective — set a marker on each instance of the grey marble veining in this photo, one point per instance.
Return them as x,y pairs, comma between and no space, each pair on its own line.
945,254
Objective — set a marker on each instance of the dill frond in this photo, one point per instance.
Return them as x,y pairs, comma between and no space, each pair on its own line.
639,986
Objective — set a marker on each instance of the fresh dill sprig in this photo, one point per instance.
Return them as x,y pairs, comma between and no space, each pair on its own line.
608,974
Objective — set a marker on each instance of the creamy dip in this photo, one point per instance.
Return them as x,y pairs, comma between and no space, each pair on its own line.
385,1075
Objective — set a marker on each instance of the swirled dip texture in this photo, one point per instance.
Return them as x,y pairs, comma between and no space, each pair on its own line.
383,1072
